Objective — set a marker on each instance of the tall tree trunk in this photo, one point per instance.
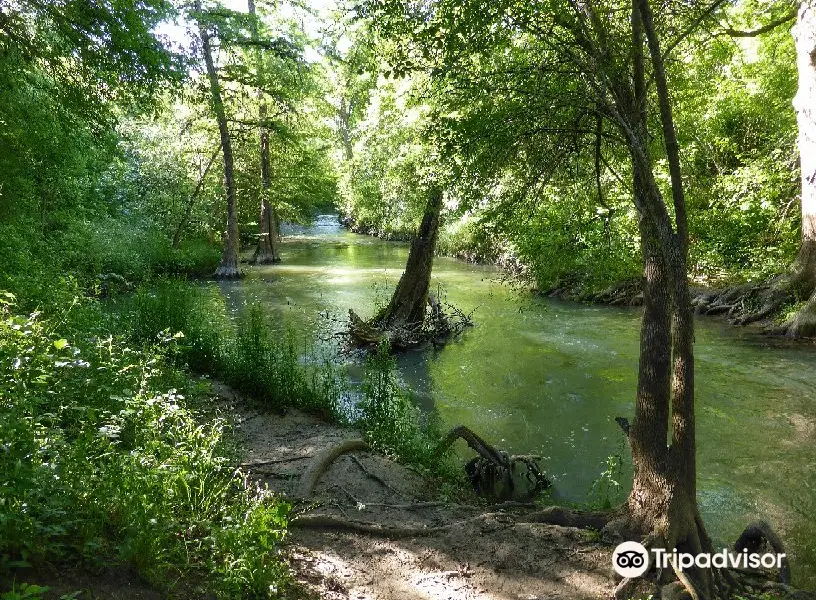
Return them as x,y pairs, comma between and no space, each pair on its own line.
663,502
343,121
407,306
228,269
804,35
267,250
804,267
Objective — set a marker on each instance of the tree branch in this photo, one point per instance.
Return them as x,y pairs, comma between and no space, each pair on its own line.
764,29
692,27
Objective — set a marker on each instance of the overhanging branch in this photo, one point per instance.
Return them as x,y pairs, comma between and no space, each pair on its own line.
738,33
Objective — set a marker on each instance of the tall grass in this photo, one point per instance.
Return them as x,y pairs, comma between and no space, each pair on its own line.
104,458
394,424
247,353
251,355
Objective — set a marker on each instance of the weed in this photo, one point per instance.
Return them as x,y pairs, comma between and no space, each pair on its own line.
102,457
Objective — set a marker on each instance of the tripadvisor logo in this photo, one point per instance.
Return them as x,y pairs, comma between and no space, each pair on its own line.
631,559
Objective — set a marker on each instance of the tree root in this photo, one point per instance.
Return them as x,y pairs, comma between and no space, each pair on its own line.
309,479
375,477
565,517
551,516
266,463
758,533
436,328
375,529
703,584
803,323
495,473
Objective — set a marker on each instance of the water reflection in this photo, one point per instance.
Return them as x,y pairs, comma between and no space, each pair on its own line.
548,378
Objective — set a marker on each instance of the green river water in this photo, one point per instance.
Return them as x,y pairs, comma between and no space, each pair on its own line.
543,377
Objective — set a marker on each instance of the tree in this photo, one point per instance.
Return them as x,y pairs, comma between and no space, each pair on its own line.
804,34
228,269
408,304
266,252
804,268
188,208
68,72
550,70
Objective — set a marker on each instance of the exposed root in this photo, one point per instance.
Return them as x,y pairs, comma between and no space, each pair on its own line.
264,259
758,534
551,516
439,325
565,517
624,588
494,473
376,477
803,323
760,302
375,529
335,524
703,584
228,272
309,479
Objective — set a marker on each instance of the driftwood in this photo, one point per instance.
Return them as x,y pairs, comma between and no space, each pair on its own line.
309,479
494,473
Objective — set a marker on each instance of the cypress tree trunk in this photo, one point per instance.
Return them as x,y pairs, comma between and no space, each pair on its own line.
267,251
804,268
804,35
407,306
228,269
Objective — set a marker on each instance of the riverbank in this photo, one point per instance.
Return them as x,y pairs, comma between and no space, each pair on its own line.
739,304
458,551
470,551
762,306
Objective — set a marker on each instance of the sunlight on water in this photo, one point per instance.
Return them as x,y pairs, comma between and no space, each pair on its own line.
548,378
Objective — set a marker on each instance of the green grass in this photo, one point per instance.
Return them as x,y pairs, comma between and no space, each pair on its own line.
247,352
105,457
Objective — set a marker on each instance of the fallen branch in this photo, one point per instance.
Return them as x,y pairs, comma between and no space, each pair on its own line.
309,479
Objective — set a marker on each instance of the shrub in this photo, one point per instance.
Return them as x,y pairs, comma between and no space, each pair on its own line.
103,456
248,353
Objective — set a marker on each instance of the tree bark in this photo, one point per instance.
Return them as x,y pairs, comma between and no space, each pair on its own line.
267,250
228,269
343,121
663,503
804,35
407,306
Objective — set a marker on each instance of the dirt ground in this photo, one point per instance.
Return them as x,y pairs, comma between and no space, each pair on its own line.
433,550
484,554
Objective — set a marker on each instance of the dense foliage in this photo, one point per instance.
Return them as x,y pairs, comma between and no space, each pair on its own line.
564,211
112,195
106,457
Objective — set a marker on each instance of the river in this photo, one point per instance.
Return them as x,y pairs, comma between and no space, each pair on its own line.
548,378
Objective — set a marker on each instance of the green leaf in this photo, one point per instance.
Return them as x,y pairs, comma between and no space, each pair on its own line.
60,344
